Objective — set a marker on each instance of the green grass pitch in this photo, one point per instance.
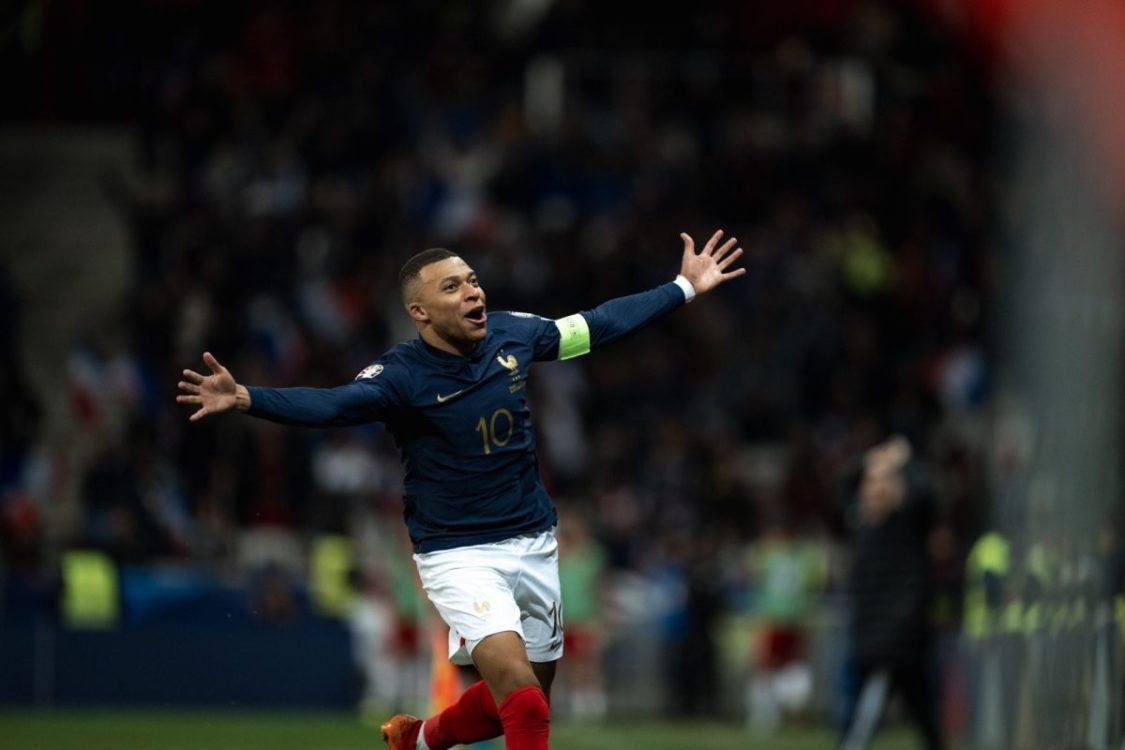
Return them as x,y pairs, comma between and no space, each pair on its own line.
116,730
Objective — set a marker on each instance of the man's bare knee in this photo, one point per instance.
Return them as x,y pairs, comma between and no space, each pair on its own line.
502,662
509,680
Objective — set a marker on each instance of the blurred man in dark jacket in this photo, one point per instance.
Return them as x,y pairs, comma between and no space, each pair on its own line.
892,516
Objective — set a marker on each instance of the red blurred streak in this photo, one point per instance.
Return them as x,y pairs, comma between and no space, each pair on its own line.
1078,50
1074,50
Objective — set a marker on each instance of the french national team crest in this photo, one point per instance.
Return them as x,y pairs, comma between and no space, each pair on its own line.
370,371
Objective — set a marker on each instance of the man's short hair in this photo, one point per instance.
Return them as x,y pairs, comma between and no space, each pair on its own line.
411,269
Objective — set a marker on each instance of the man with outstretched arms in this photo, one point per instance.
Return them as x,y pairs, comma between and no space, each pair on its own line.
481,522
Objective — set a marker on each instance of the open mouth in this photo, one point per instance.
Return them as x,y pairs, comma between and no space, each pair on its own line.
477,315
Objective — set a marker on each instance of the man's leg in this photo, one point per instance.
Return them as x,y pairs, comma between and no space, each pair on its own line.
474,717
545,672
916,683
874,684
522,705
465,584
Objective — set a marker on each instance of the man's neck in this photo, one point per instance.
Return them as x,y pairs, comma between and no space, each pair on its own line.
458,348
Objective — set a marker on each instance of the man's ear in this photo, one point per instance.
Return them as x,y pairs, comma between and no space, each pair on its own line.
417,313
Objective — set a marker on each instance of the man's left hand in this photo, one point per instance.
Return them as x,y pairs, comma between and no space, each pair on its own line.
708,268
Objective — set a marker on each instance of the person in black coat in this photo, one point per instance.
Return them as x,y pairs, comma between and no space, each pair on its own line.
892,514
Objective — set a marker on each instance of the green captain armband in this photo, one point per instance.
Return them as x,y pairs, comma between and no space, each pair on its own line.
574,336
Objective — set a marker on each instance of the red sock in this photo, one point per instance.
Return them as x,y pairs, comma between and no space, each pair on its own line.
526,719
471,719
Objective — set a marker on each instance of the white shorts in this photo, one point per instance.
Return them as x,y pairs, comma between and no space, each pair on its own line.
493,588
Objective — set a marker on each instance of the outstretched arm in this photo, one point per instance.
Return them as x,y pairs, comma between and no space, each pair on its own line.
362,400
699,273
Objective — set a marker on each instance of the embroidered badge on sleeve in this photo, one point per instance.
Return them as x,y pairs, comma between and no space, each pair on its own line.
370,371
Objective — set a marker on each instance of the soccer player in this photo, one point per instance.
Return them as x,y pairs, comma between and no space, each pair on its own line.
482,525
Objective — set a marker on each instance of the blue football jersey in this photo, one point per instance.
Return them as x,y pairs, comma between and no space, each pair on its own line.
462,424
463,427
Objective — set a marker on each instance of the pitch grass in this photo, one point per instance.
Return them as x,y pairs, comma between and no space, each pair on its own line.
115,730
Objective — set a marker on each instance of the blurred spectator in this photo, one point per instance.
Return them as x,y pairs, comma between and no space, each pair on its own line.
581,569
693,582
372,622
987,587
891,592
789,574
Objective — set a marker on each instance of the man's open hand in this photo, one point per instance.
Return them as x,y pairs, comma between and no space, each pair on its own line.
214,393
707,269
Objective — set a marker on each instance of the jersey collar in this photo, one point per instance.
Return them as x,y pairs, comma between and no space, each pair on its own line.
441,355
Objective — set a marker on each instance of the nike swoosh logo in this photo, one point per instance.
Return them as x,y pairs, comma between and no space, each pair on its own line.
442,399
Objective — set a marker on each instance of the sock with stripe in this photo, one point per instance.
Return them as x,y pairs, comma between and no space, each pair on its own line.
474,717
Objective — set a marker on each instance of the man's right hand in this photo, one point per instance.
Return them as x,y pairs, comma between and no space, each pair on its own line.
214,393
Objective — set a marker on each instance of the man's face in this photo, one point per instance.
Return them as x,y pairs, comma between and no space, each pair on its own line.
880,493
883,487
451,301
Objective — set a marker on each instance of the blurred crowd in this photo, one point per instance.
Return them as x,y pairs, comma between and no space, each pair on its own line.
290,156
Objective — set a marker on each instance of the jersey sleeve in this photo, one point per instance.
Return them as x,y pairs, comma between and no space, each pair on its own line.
540,332
615,319
373,396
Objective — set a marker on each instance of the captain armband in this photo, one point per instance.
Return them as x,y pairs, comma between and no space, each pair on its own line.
574,336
